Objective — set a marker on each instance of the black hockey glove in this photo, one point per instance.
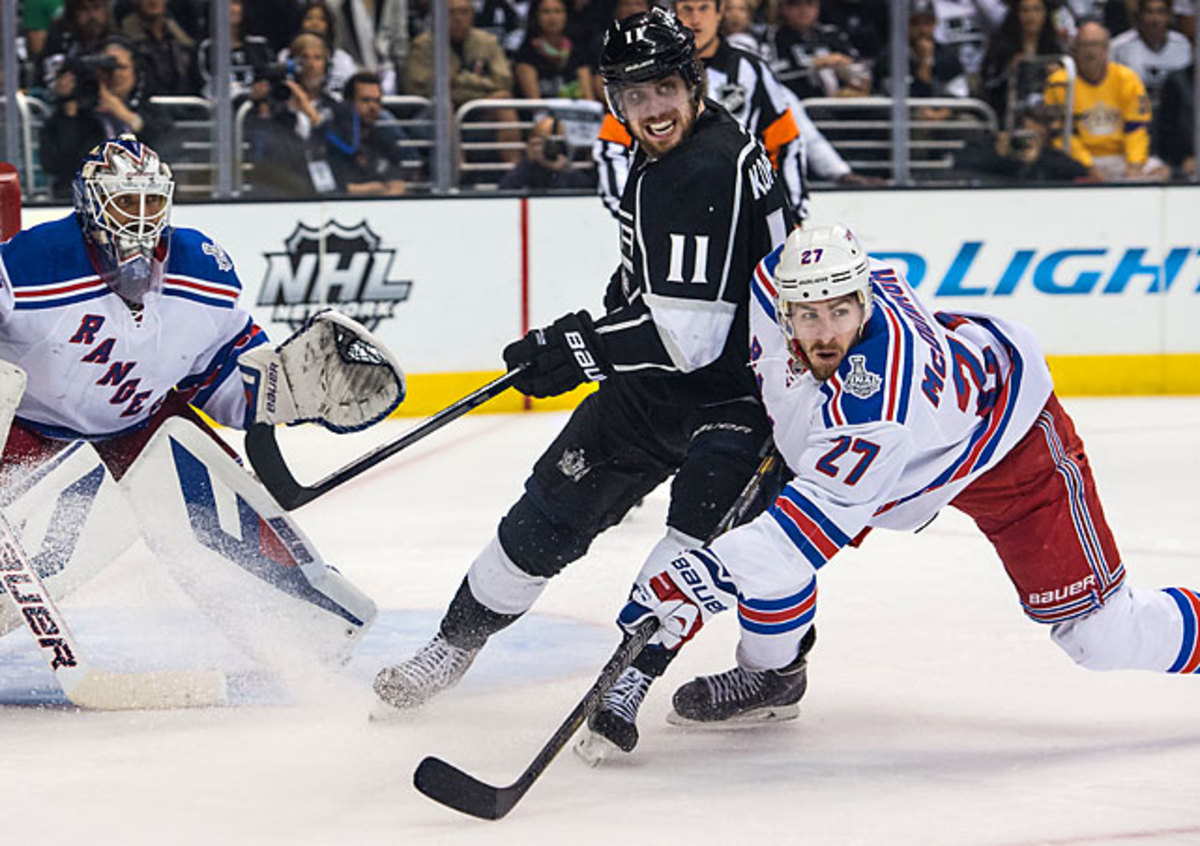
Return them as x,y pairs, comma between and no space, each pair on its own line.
559,357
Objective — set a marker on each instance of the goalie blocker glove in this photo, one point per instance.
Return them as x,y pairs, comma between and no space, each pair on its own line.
557,358
331,371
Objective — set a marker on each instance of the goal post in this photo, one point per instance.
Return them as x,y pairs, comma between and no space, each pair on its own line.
10,201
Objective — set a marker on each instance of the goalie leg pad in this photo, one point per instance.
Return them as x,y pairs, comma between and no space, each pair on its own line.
70,516
237,554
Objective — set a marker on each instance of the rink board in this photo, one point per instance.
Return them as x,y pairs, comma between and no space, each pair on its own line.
1109,278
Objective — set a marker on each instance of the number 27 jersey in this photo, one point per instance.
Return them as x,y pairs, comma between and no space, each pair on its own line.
921,405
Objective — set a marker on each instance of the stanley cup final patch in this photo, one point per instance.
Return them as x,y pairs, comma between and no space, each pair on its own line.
860,382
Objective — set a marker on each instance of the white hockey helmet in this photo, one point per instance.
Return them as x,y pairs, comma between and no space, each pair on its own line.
123,200
821,263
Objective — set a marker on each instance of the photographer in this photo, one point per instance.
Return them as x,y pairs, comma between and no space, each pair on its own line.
97,96
367,158
1023,155
546,165
286,127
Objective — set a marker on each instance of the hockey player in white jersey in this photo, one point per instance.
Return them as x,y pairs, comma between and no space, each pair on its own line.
887,412
124,324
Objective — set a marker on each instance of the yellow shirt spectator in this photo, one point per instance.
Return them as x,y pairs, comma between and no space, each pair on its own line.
1111,118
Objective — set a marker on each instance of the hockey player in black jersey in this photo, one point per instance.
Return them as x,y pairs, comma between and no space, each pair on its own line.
740,81
676,396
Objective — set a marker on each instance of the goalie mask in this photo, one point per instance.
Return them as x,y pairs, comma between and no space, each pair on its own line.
822,263
647,47
123,202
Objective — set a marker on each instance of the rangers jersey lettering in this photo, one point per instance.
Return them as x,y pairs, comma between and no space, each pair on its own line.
97,369
921,406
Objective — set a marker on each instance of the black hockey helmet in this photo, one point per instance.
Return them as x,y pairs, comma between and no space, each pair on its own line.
645,47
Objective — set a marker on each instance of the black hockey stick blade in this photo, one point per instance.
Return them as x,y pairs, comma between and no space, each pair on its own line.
445,783
269,465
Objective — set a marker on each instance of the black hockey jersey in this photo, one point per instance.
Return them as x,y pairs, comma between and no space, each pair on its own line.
693,224
744,84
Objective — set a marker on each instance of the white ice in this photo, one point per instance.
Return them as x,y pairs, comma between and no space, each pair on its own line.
936,712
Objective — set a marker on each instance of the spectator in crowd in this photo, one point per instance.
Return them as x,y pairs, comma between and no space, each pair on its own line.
479,70
815,59
546,165
865,22
165,50
478,66
375,34
740,28
965,26
79,30
316,17
1010,69
96,100
1174,138
249,55
367,158
36,16
1116,15
934,70
1111,117
504,20
287,127
548,63
1152,50
1023,155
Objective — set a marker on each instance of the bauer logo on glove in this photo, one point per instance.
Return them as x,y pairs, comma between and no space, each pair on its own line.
331,371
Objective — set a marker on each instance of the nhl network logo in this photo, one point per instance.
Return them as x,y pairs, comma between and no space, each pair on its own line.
860,382
334,265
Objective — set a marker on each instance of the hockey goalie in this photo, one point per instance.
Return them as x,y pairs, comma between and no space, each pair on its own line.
124,325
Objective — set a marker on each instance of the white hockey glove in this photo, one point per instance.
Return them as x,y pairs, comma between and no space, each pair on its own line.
693,588
331,371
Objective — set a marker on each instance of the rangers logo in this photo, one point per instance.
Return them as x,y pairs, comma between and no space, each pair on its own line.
573,464
338,265
860,382
224,264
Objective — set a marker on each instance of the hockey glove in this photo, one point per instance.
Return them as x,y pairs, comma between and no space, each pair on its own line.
559,357
683,597
332,371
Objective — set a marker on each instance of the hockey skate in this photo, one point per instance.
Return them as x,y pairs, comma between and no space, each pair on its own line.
438,665
740,697
613,726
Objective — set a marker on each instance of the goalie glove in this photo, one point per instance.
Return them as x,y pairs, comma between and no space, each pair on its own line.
331,371
693,588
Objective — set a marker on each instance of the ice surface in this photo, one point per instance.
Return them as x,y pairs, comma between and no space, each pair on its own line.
936,713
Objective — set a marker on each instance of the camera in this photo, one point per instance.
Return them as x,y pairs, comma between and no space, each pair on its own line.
87,81
553,149
276,73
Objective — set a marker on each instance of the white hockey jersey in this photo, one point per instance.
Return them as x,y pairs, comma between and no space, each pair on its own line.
97,371
922,404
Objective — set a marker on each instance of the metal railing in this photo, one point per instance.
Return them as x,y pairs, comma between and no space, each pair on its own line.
860,129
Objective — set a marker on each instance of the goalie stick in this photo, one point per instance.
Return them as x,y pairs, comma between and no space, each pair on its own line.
450,786
265,457
84,685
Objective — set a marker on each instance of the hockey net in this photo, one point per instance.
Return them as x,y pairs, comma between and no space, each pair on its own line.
10,201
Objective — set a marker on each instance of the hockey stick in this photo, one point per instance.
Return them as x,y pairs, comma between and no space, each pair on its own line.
447,784
85,685
268,463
